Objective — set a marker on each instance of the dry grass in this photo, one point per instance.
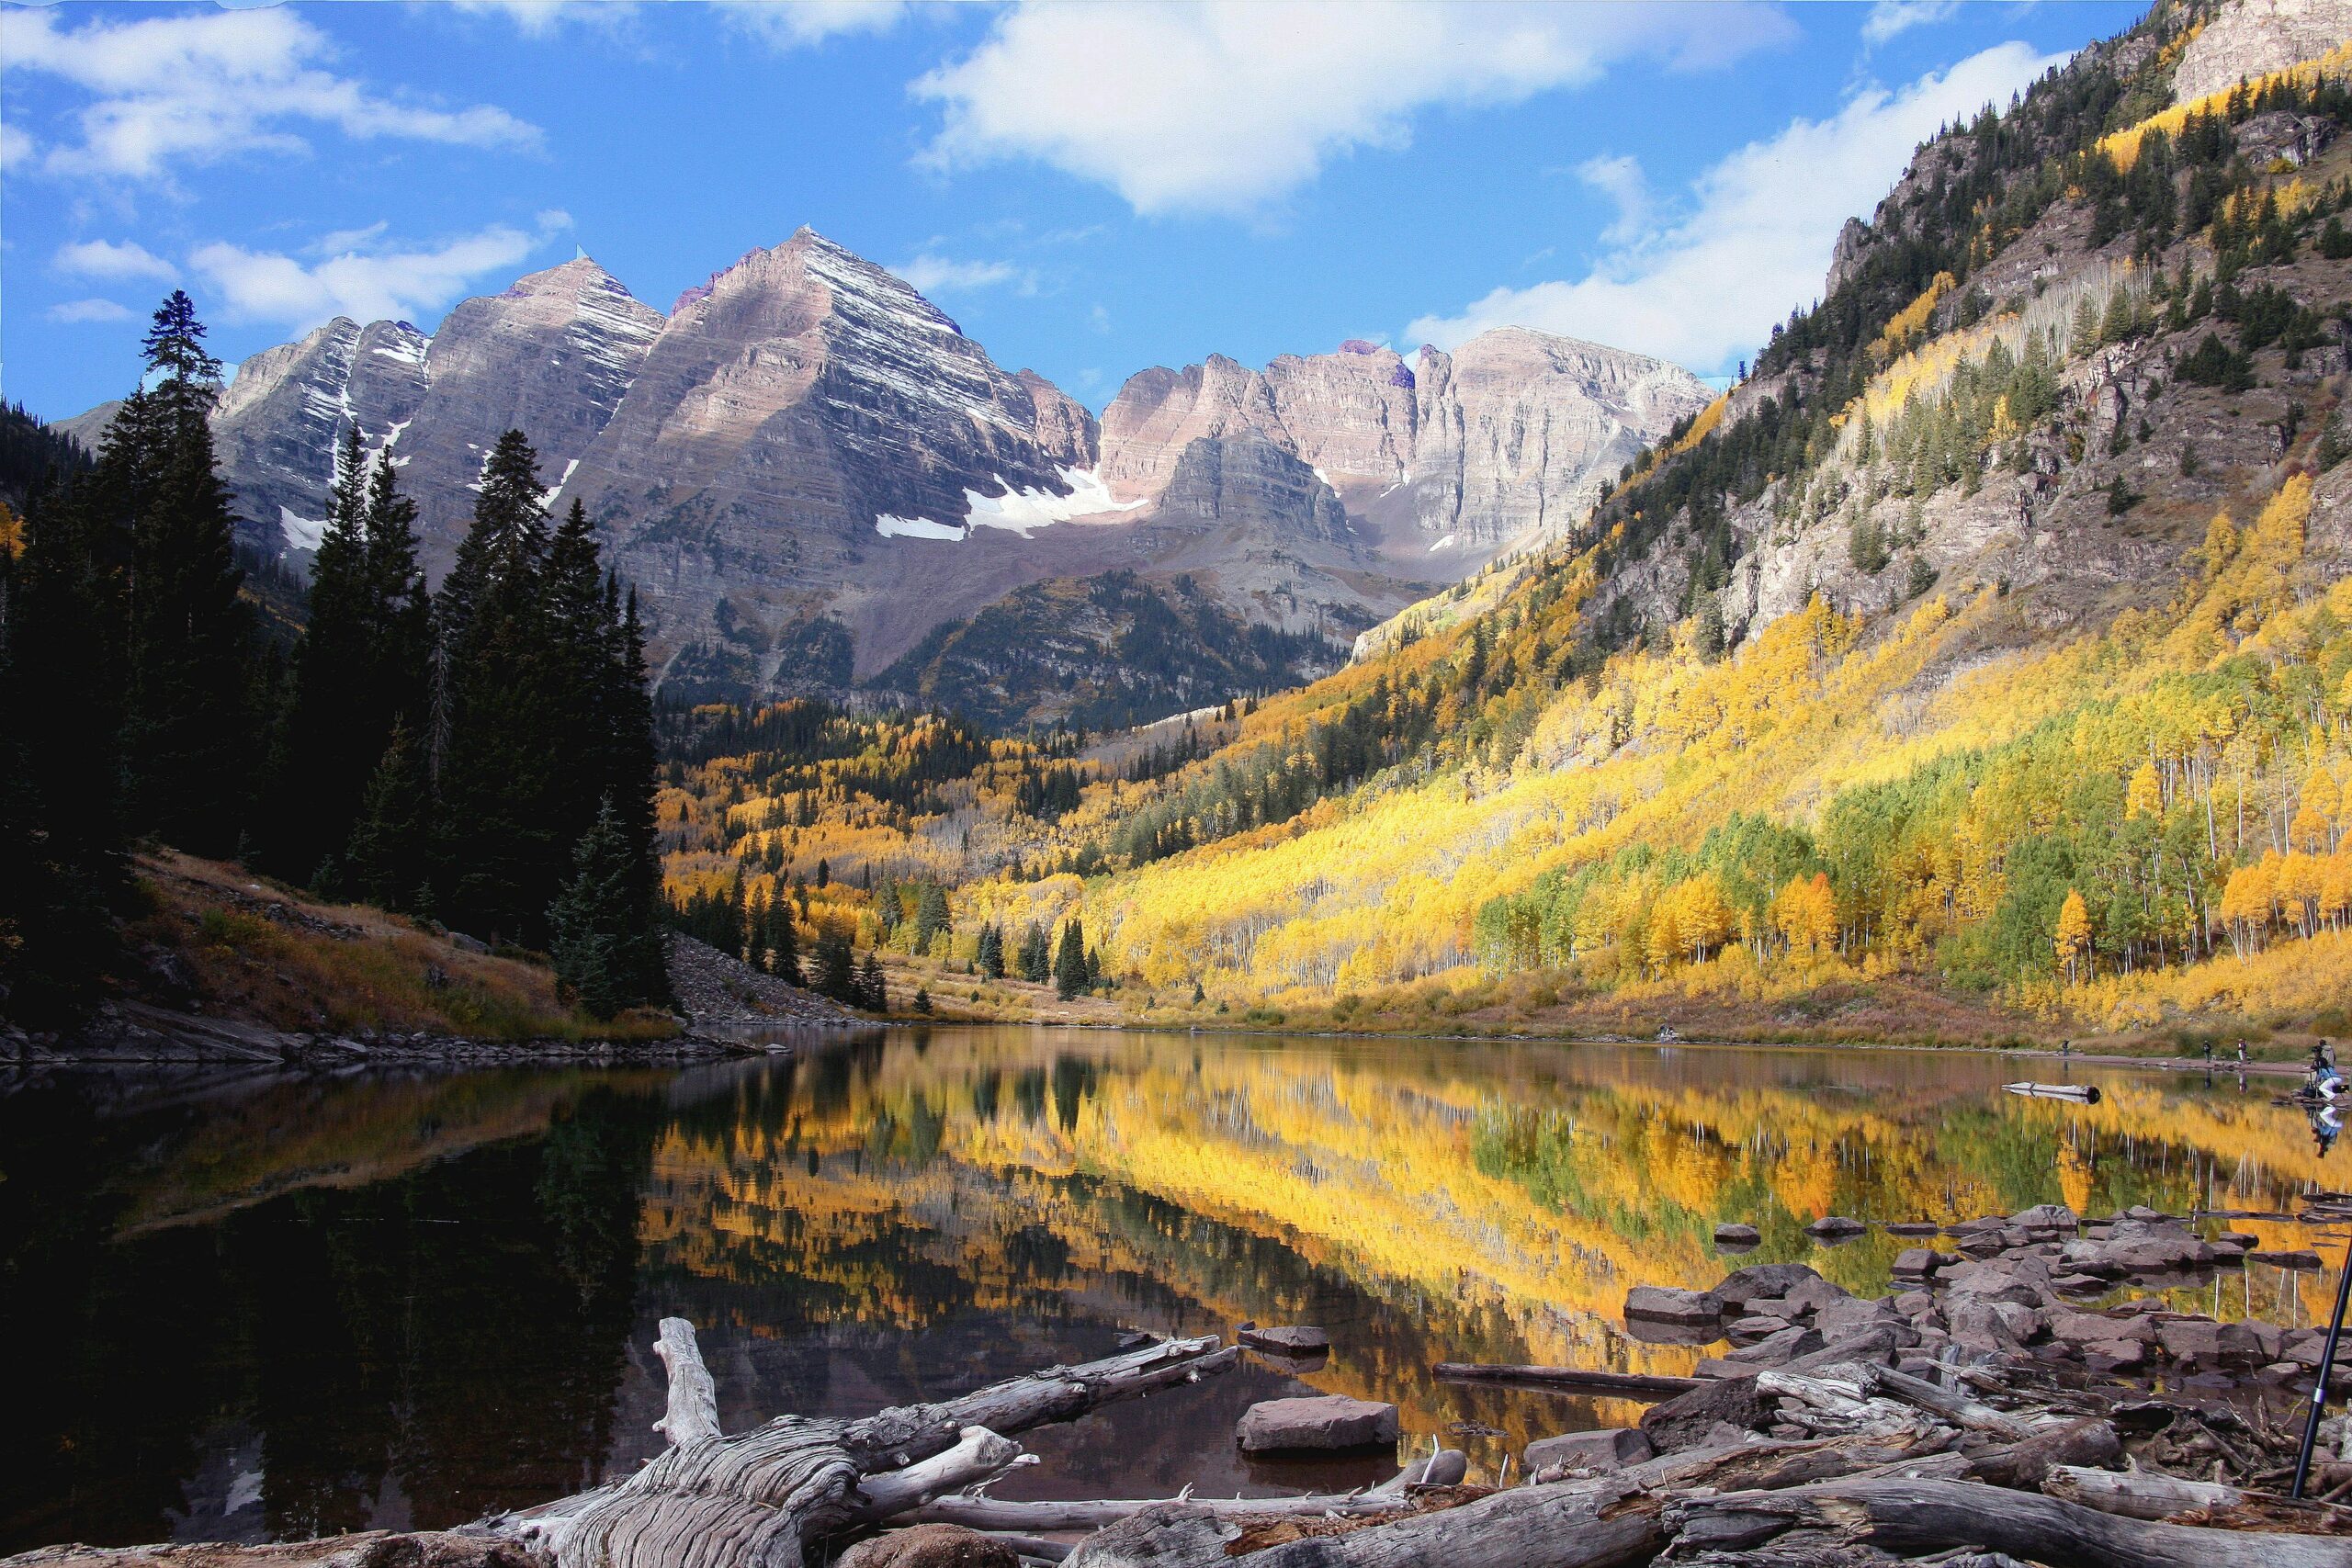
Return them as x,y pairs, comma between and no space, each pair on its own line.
261,952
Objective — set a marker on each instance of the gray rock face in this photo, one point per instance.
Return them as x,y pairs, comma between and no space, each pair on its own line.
552,357
1456,455
1322,1421
278,422
1687,1419
2251,37
1660,1303
1610,1447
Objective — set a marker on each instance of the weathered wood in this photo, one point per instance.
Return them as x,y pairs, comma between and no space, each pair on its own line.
2026,1465
759,1498
1567,1380
1957,1408
980,1455
693,1400
1094,1514
1911,1518
2147,1495
1602,1524
1769,1466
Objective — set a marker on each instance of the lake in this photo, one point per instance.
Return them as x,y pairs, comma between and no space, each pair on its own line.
267,1306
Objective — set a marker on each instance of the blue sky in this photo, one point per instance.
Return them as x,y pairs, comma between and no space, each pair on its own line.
1088,190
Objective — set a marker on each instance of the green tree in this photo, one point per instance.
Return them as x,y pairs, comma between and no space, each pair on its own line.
359,671
783,940
1069,961
604,939
931,916
991,954
63,863
189,732
389,859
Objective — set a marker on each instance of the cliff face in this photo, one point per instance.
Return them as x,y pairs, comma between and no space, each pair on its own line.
2250,38
1457,455
552,357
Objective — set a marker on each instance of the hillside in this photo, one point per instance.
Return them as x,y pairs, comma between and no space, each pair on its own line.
1978,666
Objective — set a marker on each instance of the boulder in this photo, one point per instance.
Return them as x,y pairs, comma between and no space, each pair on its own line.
1852,1316
1835,1227
931,1545
1444,1468
1686,1420
1321,1421
1916,1304
1758,1280
1774,1349
1737,1236
1812,1295
1286,1341
1680,1309
2211,1346
1753,1329
1610,1447
1913,1227
2141,1247
2115,1355
1916,1262
2047,1217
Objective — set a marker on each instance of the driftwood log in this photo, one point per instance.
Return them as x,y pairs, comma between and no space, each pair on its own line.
1567,1380
763,1498
1917,1518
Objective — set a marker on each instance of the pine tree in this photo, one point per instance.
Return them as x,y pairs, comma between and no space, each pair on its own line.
500,822
873,992
601,930
991,955
1036,962
836,967
389,858
1069,961
359,669
931,916
755,931
784,941
188,733
62,859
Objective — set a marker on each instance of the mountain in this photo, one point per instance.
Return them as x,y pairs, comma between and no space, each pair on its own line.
807,469
1979,668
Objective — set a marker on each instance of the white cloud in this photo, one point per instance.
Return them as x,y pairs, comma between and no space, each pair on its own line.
16,147
198,87
112,259
1889,18
930,274
792,24
1620,179
407,285
1756,241
88,311
1224,106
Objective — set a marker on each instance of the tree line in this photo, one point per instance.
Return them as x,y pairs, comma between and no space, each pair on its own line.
481,756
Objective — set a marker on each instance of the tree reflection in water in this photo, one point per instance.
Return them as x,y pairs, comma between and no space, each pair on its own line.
285,1307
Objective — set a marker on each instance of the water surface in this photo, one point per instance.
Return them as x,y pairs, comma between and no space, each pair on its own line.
257,1307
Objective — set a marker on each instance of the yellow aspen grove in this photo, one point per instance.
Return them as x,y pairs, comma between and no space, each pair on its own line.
2074,932
2145,796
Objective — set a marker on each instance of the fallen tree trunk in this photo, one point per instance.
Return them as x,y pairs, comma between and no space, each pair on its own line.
2146,1494
1567,1380
760,1499
1094,1514
1604,1524
1919,1517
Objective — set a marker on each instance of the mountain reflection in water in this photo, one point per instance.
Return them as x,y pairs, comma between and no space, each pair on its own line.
272,1307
